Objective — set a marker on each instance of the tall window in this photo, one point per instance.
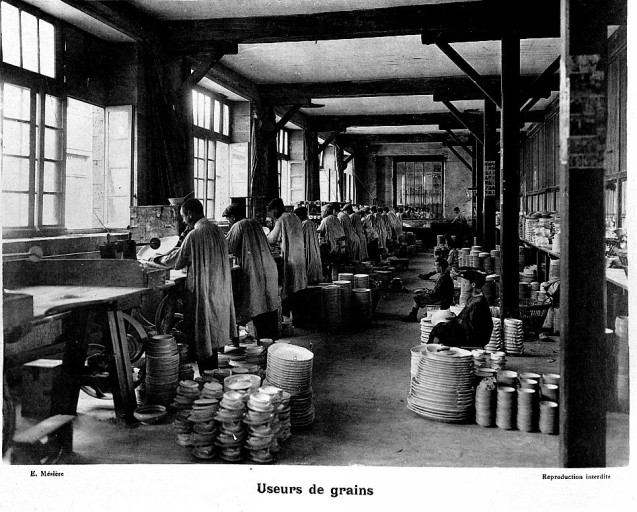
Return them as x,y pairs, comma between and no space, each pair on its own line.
211,120
283,156
419,183
27,41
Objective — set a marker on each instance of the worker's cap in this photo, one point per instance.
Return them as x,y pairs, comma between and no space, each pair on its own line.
619,232
276,204
235,211
474,276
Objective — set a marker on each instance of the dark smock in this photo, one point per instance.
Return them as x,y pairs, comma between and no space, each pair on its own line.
442,293
471,328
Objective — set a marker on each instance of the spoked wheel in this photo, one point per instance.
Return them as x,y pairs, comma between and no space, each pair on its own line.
96,381
169,314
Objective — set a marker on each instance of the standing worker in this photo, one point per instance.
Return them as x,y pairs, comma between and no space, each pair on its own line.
312,248
288,234
357,227
351,238
209,318
257,296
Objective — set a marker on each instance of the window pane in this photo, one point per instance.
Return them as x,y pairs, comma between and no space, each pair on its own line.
217,117
286,147
211,150
226,119
10,34
210,208
15,173
118,125
29,41
17,102
52,177
15,138
194,107
52,140
15,210
206,119
47,49
53,112
50,210
200,190
201,148
211,188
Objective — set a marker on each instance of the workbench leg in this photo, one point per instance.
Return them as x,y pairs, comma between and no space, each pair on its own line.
120,368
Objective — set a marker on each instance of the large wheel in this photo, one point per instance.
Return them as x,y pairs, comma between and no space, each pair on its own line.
96,382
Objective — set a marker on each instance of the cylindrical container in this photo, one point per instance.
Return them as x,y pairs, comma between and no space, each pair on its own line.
508,378
550,392
162,369
362,306
346,276
549,417
346,299
332,308
361,281
530,384
506,408
486,400
551,378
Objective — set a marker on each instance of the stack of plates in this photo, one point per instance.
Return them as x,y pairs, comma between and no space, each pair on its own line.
498,360
549,417
513,336
475,258
361,281
290,369
425,329
508,378
187,393
482,260
495,342
162,369
212,390
443,387
416,354
506,405
283,411
465,291
332,308
246,383
480,358
486,403
527,410
362,306
260,433
464,258
346,298
554,270
524,290
497,262
489,289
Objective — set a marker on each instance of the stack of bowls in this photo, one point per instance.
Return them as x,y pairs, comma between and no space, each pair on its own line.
480,358
508,378
495,342
497,265
246,383
482,260
506,408
229,420
425,329
187,393
549,417
346,298
498,360
530,375
490,290
346,276
204,430
530,384
362,306
162,369
260,434
464,257
332,308
513,336
527,419
361,281
256,355
486,399
212,390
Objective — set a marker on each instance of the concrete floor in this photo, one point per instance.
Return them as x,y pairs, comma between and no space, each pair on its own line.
361,383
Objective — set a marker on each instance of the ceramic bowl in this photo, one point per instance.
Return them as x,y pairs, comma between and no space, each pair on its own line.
150,414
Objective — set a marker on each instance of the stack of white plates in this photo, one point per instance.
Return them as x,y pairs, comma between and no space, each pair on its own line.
361,281
332,307
486,403
464,258
527,419
260,433
362,306
475,258
256,355
442,390
480,358
513,336
162,369
497,262
425,329
495,343
248,383
506,413
212,390
498,360
187,393
290,369
229,419
416,354
554,270
482,261
346,276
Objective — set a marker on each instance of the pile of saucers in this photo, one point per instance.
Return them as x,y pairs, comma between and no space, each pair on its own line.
513,336
425,329
498,360
162,369
187,393
416,354
244,383
229,420
212,390
495,342
260,434
204,430
480,358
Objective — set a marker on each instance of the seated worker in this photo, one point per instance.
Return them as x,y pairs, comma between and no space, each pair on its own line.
473,326
442,292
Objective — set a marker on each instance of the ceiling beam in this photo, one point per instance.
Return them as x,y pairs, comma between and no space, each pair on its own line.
471,126
538,89
122,17
350,139
460,21
451,87
202,70
285,118
455,138
458,155
328,141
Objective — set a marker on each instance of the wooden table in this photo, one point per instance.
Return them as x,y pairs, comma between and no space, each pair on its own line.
83,303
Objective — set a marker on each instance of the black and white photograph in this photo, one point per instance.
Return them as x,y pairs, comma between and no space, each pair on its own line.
312,254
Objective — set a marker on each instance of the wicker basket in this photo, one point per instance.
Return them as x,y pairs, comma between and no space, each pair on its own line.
533,313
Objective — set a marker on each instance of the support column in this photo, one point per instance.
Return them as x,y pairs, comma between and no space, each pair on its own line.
510,173
584,355
265,182
312,187
479,193
490,175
